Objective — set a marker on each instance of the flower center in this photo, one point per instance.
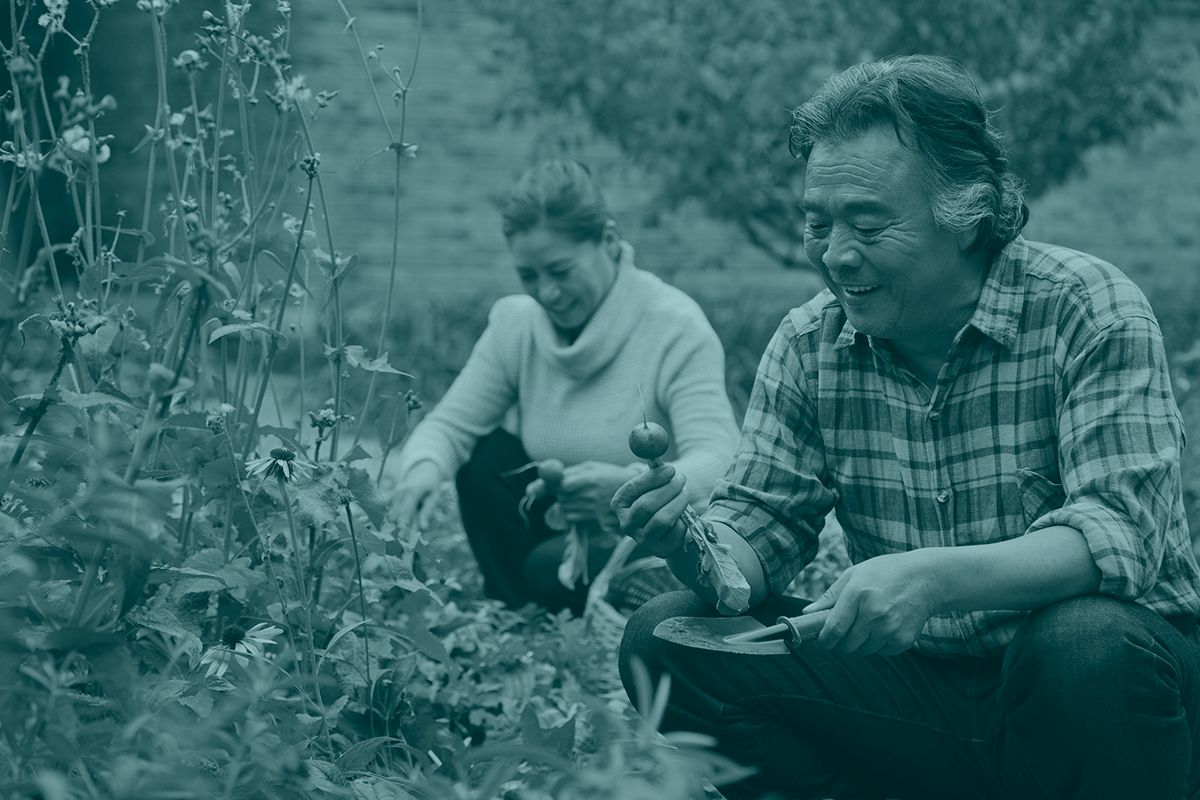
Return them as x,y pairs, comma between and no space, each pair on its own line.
232,636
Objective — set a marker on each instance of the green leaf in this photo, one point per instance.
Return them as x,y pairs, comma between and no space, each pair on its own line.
560,739
360,755
315,504
161,619
396,570
718,568
356,356
425,641
94,347
248,328
201,702
158,694
93,399
366,494
355,454
209,564
391,422
290,437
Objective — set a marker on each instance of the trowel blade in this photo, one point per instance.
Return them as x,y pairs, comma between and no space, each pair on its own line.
710,633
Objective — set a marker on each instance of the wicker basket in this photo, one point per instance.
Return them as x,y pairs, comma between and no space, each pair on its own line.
616,591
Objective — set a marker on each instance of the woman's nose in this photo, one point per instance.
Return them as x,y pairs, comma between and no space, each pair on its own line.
549,292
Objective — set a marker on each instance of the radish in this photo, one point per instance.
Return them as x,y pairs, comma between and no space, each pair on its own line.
551,471
649,441
716,567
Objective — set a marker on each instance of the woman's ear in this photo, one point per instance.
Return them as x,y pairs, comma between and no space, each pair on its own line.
611,239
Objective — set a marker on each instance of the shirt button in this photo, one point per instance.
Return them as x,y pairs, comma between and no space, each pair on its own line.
934,416
943,496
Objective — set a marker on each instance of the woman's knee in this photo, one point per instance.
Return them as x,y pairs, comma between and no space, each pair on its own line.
494,453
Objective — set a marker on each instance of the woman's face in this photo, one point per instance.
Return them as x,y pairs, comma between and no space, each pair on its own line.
566,277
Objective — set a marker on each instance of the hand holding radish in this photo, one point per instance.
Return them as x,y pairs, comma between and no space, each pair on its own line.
716,566
587,491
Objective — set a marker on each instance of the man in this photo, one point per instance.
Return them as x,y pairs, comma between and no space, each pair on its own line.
992,420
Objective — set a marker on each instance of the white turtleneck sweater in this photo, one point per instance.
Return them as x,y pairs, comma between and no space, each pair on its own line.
578,402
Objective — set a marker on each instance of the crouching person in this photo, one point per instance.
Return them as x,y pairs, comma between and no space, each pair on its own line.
992,421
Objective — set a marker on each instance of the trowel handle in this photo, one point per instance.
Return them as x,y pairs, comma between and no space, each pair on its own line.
805,626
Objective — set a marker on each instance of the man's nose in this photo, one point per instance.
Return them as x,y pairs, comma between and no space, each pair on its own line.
841,249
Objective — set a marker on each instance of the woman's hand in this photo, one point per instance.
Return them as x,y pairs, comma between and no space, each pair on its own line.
417,494
587,491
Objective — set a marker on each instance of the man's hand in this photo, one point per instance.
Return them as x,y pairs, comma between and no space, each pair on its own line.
879,605
587,490
649,507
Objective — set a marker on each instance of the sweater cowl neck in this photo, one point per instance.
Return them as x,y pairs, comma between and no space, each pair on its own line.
605,332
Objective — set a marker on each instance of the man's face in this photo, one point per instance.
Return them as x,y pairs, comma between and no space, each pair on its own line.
870,231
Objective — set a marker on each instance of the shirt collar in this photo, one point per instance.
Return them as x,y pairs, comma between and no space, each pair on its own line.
998,312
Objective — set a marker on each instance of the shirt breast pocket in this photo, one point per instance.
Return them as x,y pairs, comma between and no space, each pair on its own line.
1039,495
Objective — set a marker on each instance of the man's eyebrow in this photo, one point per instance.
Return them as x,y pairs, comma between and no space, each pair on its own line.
849,207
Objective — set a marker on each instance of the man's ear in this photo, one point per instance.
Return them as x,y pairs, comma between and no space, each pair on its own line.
966,239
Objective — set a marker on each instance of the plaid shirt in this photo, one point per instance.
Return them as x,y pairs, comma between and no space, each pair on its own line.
1054,407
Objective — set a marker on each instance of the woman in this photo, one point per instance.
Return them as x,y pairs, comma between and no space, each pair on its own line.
568,365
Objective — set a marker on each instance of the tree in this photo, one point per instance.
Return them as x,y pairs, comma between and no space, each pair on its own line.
699,92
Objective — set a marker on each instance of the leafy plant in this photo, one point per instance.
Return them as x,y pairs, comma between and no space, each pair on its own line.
200,594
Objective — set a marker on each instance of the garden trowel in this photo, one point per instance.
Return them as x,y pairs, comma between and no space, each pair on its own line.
740,634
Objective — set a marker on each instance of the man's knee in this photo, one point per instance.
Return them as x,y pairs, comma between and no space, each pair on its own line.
638,640
1083,650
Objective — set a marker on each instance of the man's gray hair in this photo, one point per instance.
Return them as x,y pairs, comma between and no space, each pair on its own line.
934,107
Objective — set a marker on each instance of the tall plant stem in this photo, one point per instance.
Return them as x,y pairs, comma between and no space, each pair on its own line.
398,149
387,304
156,410
335,280
362,605
272,346
305,604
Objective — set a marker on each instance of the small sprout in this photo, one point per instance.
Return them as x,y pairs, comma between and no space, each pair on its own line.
323,419
215,422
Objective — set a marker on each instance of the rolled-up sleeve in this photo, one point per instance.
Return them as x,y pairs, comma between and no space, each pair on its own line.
773,494
1120,440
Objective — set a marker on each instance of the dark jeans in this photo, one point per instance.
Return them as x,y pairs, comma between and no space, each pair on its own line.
519,560
1094,698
